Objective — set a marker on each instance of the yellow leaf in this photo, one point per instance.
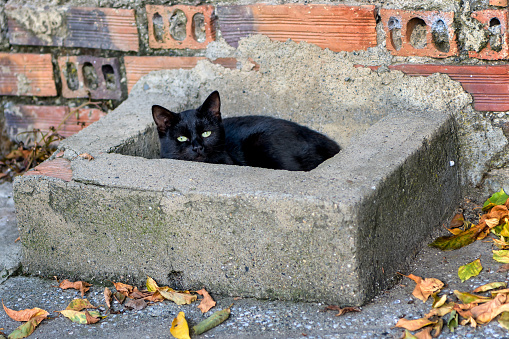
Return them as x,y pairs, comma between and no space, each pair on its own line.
490,286
179,328
501,256
440,311
438,302
492,222
27,328
79,304
413,325
151,285
178,298
470,270
504,320
81,317
468,298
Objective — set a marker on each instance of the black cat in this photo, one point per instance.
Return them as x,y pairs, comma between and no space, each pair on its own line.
201,135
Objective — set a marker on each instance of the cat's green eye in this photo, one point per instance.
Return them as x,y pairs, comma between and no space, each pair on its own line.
182,138
206,134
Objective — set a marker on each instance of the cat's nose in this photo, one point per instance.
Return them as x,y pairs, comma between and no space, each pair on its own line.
198,148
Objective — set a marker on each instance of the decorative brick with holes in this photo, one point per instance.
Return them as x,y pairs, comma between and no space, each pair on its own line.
180,26
26,75
85,75
488,84
495,22
419,33
105,28
68,121
138,66
337,27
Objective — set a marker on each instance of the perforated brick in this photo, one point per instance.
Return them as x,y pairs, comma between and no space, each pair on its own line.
419,33
495,22
84,76
180,26
337,27
138,66
22,118
90,27
489,85
26,74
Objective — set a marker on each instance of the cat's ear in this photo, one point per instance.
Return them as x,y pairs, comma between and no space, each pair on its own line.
163,118
212,105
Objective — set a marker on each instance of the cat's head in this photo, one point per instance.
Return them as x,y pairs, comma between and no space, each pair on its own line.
195,135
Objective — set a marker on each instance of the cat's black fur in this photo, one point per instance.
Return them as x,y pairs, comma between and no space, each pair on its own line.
258,141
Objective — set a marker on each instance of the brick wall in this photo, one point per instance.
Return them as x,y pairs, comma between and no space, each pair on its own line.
54,58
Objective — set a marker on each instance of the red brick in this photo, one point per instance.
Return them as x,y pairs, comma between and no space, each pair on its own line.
498,3
56,168
22,118
488,85
337,27
491,18
161,37
27,74
402,29
138,66
105,84
105,28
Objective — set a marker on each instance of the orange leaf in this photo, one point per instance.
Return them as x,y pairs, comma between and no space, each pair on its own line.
108,296
424,334
499,212
78,285
424,288
413,325
457,221
123,288
25,315
207,302
91,319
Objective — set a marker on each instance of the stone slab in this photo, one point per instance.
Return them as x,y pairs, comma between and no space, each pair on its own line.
339,233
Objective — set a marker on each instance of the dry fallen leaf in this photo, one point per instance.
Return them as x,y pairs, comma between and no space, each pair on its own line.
79,304
136,304
179,328
207,302
78,285
413,325
486,312
86,156
108,296
123,288
340,310
425,288
24,315
424,334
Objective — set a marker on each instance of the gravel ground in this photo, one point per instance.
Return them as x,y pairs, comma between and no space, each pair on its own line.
249,318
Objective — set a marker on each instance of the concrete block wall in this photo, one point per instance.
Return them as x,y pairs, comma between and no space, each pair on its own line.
55,57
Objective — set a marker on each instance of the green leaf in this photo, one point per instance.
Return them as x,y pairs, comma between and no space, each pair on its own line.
470,270
504,320
452,323
460,240
499,198
79,304
215,319
27,328
501,256
468,298
490,286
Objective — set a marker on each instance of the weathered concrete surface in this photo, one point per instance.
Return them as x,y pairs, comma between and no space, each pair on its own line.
338,233
11,250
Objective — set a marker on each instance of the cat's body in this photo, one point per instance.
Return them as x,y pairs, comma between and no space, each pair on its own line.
258,141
